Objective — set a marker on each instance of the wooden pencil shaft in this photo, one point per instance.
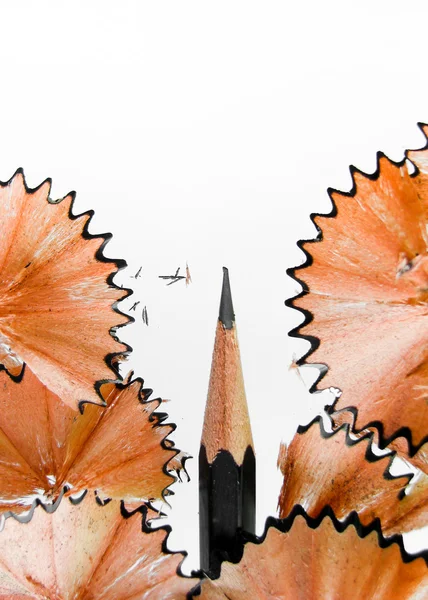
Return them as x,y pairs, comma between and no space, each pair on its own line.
227,468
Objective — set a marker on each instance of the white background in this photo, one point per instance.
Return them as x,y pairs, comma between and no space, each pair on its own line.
208,132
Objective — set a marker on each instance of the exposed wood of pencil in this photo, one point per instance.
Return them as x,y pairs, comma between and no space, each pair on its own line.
226,459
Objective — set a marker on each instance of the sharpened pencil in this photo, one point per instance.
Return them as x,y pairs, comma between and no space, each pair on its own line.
227,467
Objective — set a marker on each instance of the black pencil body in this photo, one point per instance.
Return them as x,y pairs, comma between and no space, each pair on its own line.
226,506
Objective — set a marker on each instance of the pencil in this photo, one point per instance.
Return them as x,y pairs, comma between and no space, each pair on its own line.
227,467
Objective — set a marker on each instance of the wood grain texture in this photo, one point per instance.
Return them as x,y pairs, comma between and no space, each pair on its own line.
88,552
56,303
118,450
314,564
322,469
368,289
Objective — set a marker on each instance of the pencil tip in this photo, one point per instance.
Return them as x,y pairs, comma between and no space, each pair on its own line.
226,314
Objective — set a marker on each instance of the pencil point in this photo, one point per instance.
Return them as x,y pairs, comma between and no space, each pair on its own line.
226,314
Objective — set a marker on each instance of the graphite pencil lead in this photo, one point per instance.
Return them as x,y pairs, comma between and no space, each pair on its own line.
226,314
